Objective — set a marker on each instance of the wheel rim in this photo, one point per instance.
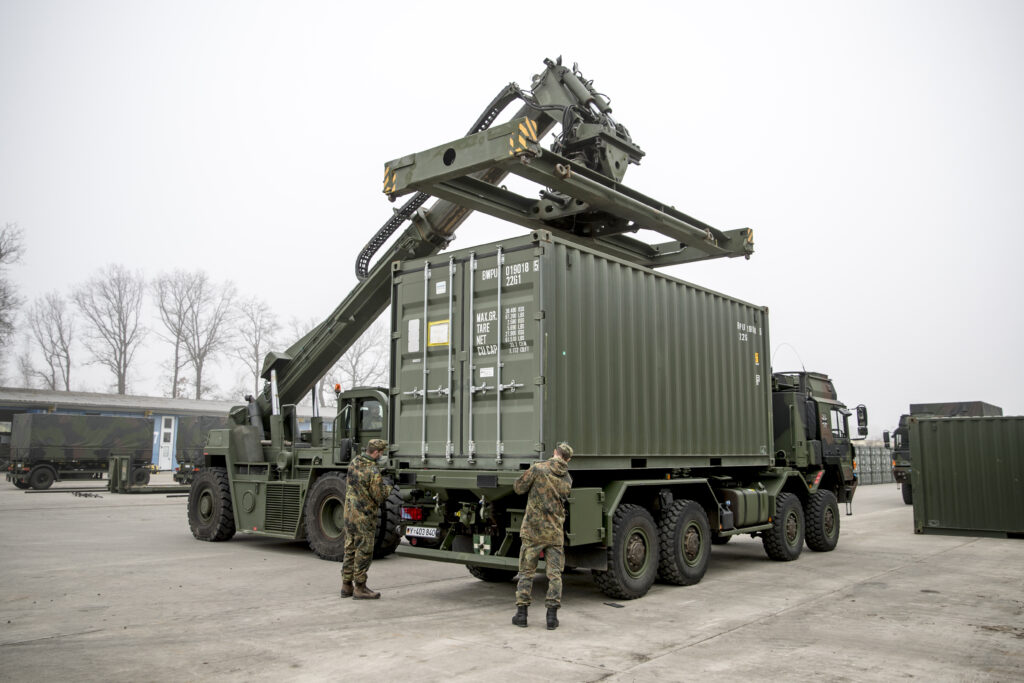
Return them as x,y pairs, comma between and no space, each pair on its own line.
693,543
205,506
792,528
828,522
332,517
637,554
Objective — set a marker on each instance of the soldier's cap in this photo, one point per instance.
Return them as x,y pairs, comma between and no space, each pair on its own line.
565,449
376,445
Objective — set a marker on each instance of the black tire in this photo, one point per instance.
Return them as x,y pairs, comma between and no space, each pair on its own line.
822,517
684,537
633,555
908,494
210,515
389,528
140,477
492,574
41,478
785,540
720,540
325,516
21,484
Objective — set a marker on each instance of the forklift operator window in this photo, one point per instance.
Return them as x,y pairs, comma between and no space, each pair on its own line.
371,416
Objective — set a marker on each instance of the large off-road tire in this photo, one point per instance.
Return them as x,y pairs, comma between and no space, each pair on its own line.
21,484
41,478
389,528
325,516
785,540
492,574
210,515
140,477
633,555
822,517
684,537
908,494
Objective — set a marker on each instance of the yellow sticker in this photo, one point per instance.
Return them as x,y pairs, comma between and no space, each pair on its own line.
437,333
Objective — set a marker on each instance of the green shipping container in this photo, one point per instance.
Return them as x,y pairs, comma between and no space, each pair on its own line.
968,475
501,351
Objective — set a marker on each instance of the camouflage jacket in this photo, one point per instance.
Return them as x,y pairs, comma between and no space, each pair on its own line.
366,490
549,484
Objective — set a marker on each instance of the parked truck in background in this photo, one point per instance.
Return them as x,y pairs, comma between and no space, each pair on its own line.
48,447
899,440
189,442
683,435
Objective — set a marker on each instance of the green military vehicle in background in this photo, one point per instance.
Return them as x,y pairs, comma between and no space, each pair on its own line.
190,441
683,435
899,440
47,447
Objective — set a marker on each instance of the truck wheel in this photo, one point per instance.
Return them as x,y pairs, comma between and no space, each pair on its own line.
325,516
41,478
785,540
492,574
908,495
822,516
140,477
684,535
20,484
389,528
633,555
210,515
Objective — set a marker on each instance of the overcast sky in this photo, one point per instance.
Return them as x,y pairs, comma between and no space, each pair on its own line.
875,148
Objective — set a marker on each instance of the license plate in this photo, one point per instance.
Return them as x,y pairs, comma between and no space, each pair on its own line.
422,531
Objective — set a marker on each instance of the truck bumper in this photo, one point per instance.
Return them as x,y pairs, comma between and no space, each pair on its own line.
493,561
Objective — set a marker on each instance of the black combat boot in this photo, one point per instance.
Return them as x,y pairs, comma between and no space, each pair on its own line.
520,618
552,618
361,592
346,589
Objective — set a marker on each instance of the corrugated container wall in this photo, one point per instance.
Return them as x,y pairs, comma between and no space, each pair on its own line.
634,368
968,475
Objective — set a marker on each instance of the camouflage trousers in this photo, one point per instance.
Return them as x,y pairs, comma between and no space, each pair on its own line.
358,552
554,561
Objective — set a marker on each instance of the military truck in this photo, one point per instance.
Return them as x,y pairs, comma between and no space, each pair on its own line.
899,440
482,354
682,435
47,447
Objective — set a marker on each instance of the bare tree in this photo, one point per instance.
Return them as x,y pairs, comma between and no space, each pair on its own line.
11,250
207,324
26,373
366,361
256,328
53,327
173,294
112,305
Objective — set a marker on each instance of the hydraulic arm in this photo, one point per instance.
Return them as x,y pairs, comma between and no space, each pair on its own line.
582,198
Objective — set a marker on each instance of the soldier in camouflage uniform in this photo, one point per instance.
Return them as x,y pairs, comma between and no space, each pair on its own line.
548,484
365,493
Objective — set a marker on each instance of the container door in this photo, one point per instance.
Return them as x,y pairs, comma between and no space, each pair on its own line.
425,408
502,405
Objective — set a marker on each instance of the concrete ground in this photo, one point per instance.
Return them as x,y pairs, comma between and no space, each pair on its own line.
116,589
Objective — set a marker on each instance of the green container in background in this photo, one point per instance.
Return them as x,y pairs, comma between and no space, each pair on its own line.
968,475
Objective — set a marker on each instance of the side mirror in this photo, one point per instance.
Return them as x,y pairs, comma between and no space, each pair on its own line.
862,420
885,438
